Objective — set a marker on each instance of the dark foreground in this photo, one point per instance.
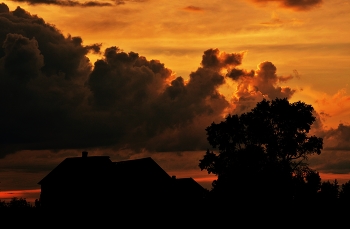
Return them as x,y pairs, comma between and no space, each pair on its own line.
205,215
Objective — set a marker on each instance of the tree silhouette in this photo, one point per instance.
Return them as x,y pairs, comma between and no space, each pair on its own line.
329,192
2,204
344,194
262,154
19,203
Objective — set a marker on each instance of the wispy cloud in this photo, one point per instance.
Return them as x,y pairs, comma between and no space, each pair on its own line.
193,9
70,3
73,3
298,5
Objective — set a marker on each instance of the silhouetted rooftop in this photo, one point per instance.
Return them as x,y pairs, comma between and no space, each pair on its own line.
188,183
143,167
75,166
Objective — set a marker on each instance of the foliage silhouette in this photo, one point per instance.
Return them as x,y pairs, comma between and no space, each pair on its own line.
262,154
16,203
344,193
329,192
19,203
3,204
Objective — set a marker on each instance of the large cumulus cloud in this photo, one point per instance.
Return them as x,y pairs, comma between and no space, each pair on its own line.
63,55
254,85
53,98
148,101
42,74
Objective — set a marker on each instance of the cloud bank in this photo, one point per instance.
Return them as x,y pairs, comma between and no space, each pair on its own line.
52,97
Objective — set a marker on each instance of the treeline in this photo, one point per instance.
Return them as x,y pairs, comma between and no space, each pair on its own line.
328,201
326,192
314,193
333,192
18,203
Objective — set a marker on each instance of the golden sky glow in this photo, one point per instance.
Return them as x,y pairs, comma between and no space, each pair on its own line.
309,46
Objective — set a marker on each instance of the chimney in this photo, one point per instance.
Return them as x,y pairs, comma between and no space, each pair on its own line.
173,177
84,154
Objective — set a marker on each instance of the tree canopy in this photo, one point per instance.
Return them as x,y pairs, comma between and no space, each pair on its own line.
264,152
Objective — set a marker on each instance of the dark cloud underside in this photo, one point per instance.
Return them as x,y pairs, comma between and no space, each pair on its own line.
338,138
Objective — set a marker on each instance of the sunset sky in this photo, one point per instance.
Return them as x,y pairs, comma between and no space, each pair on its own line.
136,78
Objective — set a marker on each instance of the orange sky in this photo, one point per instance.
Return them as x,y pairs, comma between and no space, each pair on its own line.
30,195
308,44
313,41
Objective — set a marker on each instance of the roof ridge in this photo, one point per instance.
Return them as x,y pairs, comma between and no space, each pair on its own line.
143,158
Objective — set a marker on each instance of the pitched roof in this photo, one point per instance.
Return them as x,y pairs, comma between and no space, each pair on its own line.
137,172
186,184
141,168
77,166
93,166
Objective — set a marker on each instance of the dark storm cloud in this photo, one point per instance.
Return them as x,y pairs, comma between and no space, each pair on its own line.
94,48
294,4
62,55
215,59
136,93
236,74
4,8
66,3
22,60
165,114
42,74
51,98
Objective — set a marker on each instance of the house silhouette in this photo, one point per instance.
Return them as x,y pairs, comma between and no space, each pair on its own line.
95,182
